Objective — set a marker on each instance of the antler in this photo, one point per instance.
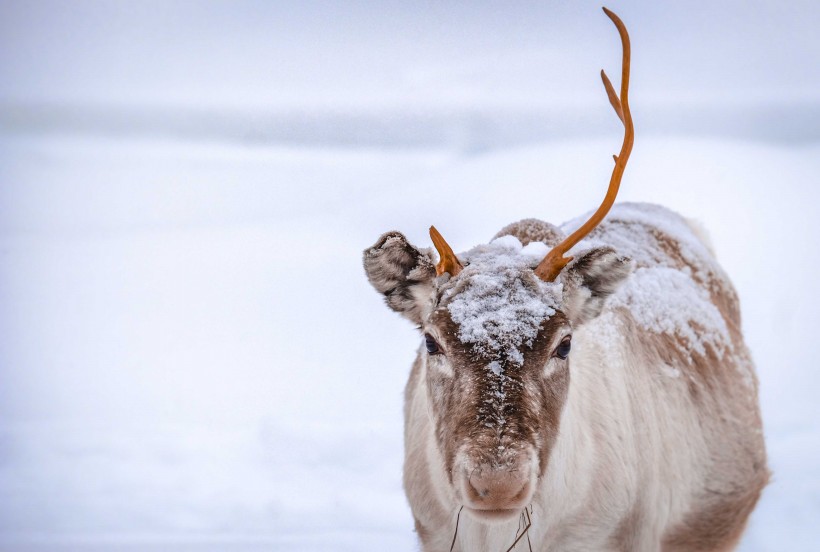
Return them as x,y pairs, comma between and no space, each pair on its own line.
552,265
448,262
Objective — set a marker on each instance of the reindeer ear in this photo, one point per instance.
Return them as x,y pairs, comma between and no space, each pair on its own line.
589,279
403,274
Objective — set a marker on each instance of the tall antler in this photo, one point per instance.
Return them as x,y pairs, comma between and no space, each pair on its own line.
448,262
554,262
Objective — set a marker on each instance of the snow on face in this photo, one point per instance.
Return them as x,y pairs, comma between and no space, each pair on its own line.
497,301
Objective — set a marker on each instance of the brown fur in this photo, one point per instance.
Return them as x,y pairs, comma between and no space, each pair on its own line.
716,522
624,539
532,230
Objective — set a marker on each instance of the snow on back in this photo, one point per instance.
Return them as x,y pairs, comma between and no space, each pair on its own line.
497,301
662,296
632,230
665,300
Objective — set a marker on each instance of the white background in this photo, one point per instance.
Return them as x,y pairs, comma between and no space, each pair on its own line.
190,355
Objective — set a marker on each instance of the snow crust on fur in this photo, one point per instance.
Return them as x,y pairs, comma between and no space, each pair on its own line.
665,300
500,304
662,296
635,238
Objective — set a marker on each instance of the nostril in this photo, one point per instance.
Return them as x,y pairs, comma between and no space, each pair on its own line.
491,489
474,491
480,491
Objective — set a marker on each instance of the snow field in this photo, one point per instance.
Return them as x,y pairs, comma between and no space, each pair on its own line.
190,354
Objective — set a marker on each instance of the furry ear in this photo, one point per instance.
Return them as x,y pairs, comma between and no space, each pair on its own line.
589,279
403,273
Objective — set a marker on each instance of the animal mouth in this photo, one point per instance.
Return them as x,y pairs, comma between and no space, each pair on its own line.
494,515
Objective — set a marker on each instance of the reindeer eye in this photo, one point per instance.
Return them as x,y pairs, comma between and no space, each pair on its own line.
562,351
432,346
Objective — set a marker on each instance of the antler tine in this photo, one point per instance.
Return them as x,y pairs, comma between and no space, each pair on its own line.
552,265
613,97
448,262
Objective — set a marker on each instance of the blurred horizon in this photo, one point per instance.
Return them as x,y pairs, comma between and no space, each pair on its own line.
473,76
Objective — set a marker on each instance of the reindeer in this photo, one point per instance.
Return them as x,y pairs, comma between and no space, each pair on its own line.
603,400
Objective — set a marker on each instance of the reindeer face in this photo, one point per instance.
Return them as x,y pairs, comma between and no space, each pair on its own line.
497,345
496,411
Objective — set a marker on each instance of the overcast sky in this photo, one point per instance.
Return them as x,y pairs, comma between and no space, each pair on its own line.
389,54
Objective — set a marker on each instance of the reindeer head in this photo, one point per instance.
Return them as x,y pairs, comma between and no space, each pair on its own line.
497,326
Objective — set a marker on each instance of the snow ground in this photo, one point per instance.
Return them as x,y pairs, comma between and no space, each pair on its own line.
192,358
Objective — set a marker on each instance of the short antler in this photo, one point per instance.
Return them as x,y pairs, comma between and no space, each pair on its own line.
448,262
554,262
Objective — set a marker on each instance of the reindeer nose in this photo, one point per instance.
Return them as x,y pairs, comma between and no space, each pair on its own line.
497,489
